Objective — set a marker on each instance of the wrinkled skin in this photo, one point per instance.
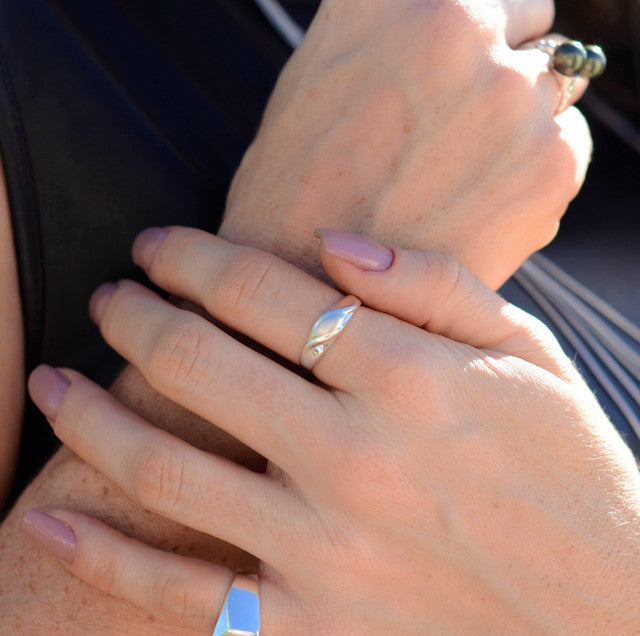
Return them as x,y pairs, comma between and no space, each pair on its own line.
409,157
451,143
457,480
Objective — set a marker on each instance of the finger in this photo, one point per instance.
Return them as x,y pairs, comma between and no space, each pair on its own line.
567,131
236,285
161,472
210,373
176,590
564,91
575,143
527,20
433,291
256,293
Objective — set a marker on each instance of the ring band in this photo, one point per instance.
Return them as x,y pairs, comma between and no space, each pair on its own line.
326,330
240,614
568,86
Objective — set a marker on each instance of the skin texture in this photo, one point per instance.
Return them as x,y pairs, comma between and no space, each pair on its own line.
35,591
394,508
414,150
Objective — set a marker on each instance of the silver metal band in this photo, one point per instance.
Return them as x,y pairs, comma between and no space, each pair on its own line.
547,45
326,330
567,88
567,83
240,614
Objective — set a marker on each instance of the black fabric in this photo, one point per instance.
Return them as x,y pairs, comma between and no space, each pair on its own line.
117,115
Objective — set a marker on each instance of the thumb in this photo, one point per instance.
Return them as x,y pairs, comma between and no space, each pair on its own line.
434,291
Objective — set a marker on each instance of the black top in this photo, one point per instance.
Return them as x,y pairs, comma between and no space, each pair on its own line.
116,115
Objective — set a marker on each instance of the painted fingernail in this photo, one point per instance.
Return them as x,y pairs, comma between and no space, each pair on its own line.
47,387
358,250
99,300
51,534
146,245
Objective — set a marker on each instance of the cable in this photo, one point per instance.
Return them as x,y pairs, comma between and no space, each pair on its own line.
288,29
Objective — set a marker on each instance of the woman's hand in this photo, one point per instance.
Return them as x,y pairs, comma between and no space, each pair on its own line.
419,123
456,479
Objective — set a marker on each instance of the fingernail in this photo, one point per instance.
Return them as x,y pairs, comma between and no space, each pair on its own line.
146,245
99,299
51,534
47,387
358,250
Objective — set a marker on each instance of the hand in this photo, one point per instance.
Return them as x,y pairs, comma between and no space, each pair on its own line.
419,123
50,597
461,478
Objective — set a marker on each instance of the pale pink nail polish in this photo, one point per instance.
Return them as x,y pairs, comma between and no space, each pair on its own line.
358,250
47,387
146,245
51,534
99,299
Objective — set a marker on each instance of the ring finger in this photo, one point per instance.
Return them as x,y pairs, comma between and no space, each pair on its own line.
176,590
256,293
527,19
197,365
565,91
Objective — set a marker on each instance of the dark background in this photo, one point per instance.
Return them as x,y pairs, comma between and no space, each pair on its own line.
599,240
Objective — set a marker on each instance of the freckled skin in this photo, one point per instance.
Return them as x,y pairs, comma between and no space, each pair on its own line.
53,594
389,171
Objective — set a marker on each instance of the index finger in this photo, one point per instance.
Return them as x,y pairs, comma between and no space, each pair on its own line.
266,298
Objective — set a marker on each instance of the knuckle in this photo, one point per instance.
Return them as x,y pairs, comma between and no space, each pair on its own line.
178,602
249,281
79,414
181,355
105,567
443,275
157,476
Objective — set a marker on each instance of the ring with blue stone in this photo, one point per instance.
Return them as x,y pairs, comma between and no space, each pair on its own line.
240,614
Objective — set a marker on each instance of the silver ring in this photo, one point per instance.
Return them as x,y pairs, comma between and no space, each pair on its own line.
326,330
567,87
240,614
547,45
566,79
572,58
